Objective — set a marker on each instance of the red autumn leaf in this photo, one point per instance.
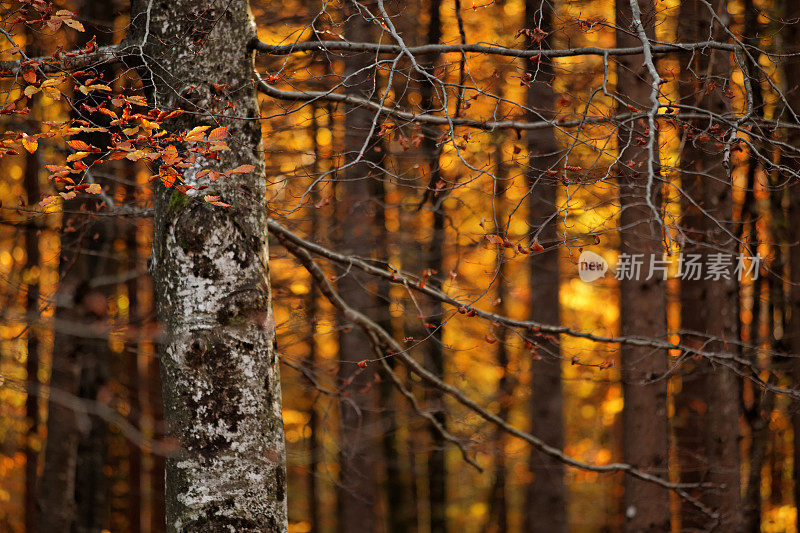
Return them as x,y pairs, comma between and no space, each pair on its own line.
218,133
168,179
79,145
241,169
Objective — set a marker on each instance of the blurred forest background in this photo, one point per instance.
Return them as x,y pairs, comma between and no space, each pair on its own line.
495,217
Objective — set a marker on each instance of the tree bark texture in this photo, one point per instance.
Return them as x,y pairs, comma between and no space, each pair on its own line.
707,407
645,432
546,495
220,380
357,491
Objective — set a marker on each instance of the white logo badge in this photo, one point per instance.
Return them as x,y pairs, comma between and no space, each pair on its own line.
591,266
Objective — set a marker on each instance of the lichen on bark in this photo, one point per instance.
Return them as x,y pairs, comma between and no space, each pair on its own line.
220,374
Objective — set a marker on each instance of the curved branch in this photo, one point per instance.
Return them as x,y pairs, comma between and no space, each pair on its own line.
372,328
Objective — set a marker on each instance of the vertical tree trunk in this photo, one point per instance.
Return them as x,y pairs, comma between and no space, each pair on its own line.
398,513
498,500
158,469
221,387
357,492
708,401
33,258
437,459
134,381
546,495
645,433
758,413
792,74
312,310
72,490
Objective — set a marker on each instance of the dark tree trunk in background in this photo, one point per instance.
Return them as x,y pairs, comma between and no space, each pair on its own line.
398,512
134,379
759,413
498,498
792,333
73,488
220,380
32,261
158,468
357,491
645,432
437,459
546,495
707,406
312,310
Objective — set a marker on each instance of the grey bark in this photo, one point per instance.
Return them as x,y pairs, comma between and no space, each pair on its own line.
546,495
645,432
220,380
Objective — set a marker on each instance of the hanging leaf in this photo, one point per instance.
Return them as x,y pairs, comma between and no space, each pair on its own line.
29,143
218,133
197,133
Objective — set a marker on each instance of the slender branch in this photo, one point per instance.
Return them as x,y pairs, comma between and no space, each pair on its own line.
368,325
75,60
345,46
409,281
446,435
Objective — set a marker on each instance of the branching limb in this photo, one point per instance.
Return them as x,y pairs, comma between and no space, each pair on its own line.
369,325
345,46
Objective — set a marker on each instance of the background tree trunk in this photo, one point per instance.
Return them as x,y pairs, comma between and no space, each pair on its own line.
73,489
357,492
434,357
220,380
32,261
645,432
546,495
709,397
792,74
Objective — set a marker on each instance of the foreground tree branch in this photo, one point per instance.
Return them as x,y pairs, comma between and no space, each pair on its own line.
395,350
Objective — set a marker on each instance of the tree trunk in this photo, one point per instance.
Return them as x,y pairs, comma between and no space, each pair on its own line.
708,435
434,361
73,487
498,500
32,261
759,413
220,379
134,380
312,310
398,513
158,469
792,74
357,492
546,495
645,432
